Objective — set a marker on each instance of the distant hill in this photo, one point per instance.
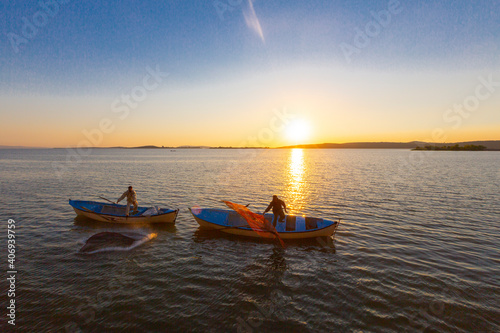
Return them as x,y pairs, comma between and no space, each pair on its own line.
151,147
20,147
490,145
193,147
361,145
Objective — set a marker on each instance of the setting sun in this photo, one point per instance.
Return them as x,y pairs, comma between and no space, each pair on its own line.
298,131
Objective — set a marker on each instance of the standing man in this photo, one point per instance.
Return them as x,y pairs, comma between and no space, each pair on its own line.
277,205
131,200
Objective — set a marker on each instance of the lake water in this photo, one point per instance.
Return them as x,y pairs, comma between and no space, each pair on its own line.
417,249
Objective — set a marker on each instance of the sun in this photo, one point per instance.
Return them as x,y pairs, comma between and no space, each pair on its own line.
298,130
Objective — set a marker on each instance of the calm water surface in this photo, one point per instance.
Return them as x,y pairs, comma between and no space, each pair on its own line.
417,250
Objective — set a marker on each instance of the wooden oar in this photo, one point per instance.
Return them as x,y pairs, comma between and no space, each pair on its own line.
107,200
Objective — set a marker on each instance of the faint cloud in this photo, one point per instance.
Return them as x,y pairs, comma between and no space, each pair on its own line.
253,21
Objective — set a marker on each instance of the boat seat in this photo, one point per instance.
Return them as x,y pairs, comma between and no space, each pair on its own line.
236,220
115,210
290,222
312,223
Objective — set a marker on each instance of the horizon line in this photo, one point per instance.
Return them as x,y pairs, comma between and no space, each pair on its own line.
302,145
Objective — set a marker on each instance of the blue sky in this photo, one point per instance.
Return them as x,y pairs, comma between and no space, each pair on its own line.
94,51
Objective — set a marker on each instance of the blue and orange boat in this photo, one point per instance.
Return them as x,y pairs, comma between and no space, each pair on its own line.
293,227
114,213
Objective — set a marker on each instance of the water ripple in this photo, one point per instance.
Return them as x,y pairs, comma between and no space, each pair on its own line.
417,249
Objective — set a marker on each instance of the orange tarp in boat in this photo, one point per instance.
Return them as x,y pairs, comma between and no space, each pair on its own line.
256,221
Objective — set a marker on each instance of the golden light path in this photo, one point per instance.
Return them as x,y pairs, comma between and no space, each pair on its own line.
296,184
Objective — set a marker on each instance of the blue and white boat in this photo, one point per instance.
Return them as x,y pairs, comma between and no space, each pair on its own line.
114,213
294,227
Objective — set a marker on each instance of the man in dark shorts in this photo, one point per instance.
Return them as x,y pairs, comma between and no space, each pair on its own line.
277,205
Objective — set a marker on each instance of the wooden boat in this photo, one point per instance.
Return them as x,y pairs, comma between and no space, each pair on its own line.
114,213
294,227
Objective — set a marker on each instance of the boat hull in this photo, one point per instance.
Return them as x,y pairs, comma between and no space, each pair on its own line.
168,217
326,231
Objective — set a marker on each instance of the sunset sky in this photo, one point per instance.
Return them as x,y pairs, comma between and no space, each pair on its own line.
264,73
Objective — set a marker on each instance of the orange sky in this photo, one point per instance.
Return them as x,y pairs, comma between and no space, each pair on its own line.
332,104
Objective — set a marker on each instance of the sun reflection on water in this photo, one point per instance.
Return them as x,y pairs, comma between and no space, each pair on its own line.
296,184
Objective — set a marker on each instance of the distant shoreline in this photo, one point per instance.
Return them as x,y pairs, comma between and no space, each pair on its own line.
491,145
452,148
